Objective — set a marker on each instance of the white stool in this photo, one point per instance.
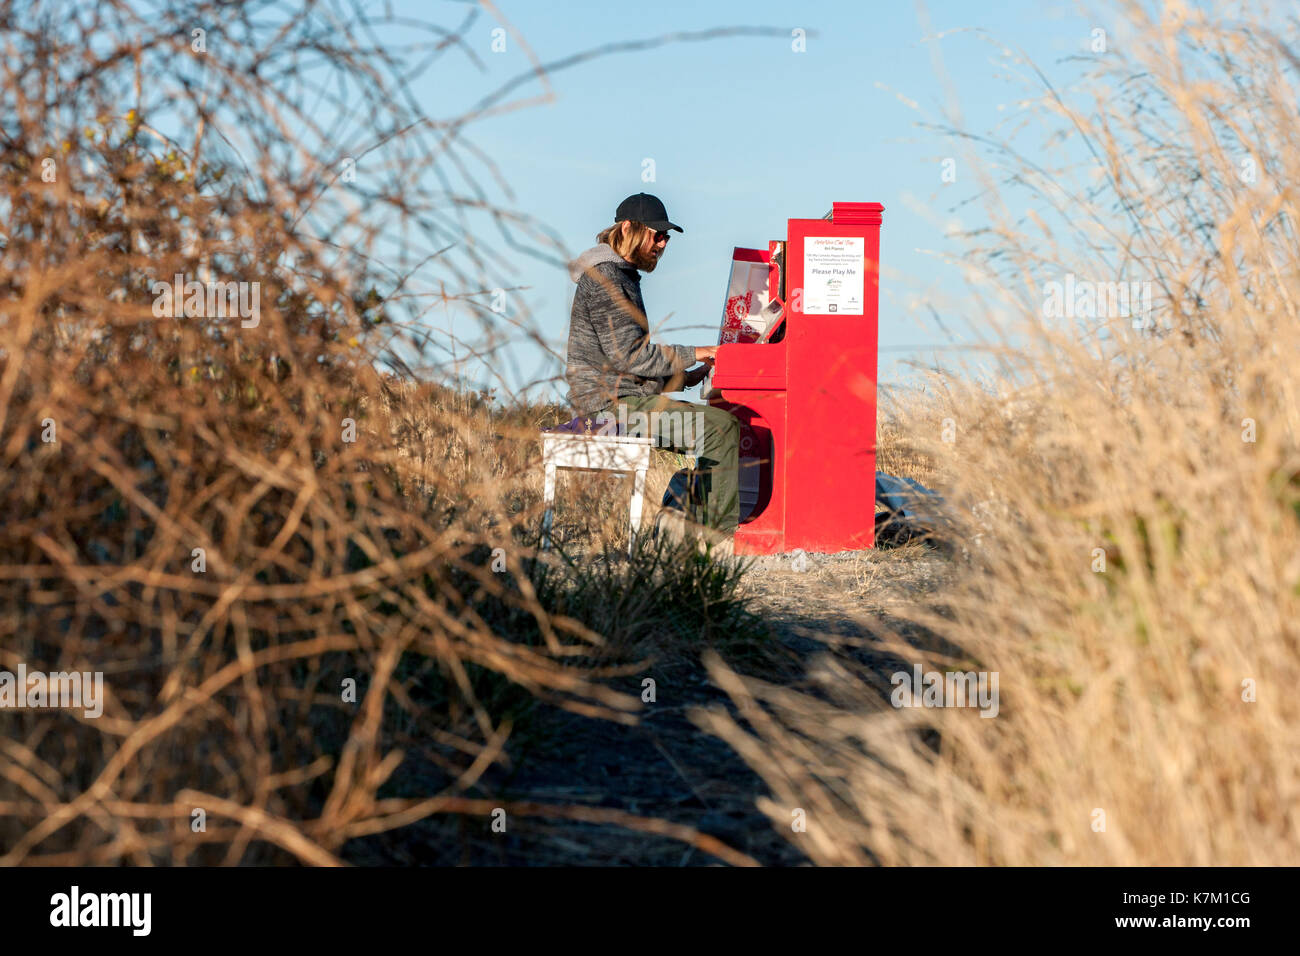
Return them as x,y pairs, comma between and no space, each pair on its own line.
618,453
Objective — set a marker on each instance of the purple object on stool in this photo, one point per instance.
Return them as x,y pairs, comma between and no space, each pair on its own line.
589,425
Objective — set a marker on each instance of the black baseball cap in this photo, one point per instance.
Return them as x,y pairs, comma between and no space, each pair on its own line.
647,209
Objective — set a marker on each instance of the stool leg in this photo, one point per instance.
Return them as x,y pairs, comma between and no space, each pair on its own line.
548,499
638,493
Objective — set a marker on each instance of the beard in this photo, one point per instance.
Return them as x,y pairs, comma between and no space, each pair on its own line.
645,261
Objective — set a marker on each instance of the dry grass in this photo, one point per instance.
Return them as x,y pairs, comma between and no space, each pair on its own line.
901,452
282,563
1124,691
497,455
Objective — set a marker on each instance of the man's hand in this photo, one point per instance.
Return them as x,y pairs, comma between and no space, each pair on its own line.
706,354
697,375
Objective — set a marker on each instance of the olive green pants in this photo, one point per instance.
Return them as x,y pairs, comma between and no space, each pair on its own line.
711,434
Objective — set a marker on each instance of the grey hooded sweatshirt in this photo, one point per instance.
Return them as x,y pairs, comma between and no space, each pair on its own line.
610,352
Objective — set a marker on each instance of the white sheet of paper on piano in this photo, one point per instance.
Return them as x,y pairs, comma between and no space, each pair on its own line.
743,318
747,315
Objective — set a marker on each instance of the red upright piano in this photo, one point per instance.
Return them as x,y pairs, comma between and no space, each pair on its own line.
806,393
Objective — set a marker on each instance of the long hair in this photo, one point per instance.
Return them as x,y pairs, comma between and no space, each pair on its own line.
624,245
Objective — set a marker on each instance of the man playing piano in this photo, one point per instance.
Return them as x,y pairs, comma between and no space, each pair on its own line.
615,372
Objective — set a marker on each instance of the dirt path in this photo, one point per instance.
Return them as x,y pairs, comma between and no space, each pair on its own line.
665,767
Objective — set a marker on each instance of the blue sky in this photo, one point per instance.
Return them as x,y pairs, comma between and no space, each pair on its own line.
744,134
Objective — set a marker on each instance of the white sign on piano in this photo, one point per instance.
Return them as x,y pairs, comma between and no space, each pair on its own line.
833,275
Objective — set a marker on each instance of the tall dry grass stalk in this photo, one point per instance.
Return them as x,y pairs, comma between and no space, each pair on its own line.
1127,500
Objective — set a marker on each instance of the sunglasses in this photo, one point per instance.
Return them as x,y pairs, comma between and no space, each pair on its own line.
662,237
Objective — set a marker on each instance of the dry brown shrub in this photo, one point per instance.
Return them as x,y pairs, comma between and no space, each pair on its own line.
232,519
